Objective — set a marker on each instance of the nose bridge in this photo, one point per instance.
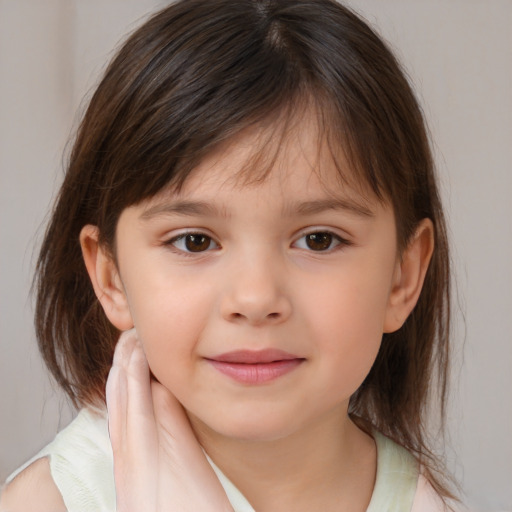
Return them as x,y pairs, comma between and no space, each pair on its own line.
255,289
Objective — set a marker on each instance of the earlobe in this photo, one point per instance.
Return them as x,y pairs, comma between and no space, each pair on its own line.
105,279
409,276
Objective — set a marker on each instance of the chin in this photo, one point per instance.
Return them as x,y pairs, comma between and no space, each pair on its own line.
246,427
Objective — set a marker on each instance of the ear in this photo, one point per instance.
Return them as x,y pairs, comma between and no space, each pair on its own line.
105,279
409,276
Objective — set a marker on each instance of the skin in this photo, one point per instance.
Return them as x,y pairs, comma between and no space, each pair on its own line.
257,282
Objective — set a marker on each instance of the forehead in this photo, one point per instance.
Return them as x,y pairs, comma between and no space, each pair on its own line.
295,155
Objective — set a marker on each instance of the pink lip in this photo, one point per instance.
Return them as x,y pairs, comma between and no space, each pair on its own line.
255,367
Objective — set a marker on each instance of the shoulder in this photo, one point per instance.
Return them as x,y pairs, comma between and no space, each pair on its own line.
77,473
427,499
33,490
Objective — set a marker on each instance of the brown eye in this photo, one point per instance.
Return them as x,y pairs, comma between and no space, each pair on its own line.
319,241
193,243
197,243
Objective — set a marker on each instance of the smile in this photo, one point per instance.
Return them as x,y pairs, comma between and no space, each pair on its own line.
255,367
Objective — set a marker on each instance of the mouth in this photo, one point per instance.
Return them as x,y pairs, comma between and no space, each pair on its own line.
255,367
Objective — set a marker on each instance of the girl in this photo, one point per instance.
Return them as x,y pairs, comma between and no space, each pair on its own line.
251,202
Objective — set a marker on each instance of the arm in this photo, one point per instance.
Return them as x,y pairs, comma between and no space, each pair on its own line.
33,490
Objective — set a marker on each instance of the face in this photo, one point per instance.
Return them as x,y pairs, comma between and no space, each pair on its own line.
260,306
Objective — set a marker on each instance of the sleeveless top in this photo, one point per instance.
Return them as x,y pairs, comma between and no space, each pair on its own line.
81,465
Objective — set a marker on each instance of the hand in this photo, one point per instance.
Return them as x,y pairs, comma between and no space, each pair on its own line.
159,465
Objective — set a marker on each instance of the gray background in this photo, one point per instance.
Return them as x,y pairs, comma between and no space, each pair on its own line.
459,56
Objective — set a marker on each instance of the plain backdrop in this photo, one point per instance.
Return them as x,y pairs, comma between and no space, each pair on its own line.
459,57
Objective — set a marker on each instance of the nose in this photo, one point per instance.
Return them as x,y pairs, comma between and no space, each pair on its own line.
255,293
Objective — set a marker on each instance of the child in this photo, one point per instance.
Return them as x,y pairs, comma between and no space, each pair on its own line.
252,193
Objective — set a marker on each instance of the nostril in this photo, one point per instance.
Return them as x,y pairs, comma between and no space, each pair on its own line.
273,315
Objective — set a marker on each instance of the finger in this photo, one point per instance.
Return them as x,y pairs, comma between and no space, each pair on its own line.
116,392
170,414
138,381
132,426
174,429
128,386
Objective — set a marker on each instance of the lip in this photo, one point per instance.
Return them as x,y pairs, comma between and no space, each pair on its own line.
255,366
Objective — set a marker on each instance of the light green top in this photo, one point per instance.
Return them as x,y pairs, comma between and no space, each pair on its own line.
81,465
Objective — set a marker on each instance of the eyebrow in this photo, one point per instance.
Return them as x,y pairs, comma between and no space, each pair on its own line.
201,208
185,208
321,205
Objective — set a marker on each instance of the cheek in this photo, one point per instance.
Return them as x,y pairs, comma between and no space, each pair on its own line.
346,317
351,302
169,314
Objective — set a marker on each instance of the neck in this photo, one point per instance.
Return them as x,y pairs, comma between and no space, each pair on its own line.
329,465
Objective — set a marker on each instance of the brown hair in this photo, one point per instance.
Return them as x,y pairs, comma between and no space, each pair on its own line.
190,78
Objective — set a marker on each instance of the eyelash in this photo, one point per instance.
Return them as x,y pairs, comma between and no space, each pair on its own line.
183,238
339,241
